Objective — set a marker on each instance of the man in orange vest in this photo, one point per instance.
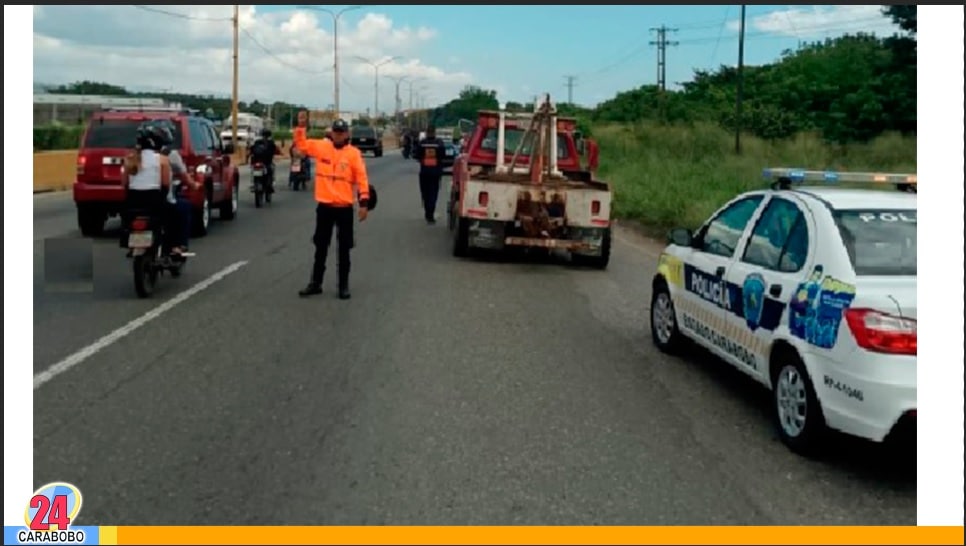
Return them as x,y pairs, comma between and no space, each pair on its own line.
339,174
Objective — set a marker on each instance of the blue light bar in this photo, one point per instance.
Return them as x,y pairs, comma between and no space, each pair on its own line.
800,176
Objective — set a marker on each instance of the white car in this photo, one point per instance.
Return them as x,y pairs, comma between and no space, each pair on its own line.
810,290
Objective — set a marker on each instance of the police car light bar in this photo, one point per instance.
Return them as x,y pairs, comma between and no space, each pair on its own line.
799,176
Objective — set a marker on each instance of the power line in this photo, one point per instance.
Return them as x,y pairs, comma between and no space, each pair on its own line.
270,53
570,88
181,15
662,43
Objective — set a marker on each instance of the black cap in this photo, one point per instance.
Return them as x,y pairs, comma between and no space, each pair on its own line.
340,125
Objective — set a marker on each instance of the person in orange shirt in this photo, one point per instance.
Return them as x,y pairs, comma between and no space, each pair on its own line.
340,172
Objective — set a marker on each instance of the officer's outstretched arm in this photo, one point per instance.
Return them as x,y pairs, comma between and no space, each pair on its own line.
309,146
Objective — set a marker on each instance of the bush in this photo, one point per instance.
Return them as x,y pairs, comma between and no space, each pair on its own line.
57,137
665,176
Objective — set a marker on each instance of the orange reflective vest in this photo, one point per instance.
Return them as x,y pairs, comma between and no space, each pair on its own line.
339,172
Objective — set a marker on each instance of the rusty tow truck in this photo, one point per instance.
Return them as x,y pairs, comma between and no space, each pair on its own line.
519,183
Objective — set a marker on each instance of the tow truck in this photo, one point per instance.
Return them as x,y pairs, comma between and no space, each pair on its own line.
519,184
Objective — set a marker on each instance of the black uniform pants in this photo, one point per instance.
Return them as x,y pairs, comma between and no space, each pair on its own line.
429,189
327,219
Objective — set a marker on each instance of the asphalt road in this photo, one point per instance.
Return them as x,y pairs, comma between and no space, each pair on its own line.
445,392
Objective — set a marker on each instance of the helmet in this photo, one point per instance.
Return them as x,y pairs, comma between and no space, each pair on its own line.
266,133
152,135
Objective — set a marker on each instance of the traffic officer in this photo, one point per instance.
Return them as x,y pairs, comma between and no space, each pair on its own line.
340,172
430,152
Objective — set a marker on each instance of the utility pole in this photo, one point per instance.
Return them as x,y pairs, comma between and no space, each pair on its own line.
570,88
234,80
741,80
662,43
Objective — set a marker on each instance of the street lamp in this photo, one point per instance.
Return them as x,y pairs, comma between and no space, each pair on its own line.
336,15
375,66
411,83
398,80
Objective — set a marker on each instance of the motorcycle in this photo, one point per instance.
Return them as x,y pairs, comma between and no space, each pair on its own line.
298,174
144,237
262,184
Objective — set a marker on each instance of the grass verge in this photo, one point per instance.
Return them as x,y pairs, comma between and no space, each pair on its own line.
677,176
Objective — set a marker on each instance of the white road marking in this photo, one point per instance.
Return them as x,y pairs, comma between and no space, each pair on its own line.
109,339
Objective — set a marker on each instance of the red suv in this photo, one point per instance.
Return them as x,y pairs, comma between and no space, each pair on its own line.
110,135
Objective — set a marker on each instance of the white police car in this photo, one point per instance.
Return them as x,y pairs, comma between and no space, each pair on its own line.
811,290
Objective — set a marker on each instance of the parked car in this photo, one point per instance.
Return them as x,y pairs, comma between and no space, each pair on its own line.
811,291
367,139
110,136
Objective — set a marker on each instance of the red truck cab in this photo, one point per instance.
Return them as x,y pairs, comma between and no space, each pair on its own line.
480,149
110,135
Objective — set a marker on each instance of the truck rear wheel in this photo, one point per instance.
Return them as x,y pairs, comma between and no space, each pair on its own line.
461,238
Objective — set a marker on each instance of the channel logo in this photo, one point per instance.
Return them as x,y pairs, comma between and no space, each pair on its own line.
49,518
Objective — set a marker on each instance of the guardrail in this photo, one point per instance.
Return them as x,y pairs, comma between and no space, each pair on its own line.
55,170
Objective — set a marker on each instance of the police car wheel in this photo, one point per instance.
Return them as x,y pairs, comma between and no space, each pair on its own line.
797,412
664,327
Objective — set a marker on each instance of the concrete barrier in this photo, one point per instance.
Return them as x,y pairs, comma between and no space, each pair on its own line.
55,170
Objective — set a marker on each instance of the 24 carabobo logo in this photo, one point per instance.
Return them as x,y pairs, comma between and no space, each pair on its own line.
50,513
753,294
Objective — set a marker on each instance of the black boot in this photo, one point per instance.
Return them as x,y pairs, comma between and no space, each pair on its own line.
313,289
344,293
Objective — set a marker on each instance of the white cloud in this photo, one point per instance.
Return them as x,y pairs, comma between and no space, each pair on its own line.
818,21
283,55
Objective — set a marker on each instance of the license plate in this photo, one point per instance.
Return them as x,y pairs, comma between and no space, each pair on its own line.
259,172
140,239
112,160
363,140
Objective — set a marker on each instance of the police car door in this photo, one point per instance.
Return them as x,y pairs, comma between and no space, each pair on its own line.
708,298
772,262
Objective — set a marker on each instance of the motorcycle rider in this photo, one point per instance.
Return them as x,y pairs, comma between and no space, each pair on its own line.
264,150
146,173
179,225
430,152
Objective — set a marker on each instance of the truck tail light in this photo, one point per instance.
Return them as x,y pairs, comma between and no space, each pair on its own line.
81,162
595,208
483,198
882,333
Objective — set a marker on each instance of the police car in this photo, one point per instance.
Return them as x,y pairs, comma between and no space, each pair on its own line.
810,288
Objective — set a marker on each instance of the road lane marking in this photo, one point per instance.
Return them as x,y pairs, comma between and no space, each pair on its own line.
109,339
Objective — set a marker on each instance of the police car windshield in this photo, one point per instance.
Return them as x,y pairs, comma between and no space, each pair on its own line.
879,242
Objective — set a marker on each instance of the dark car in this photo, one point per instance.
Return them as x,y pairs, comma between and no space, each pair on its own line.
367,140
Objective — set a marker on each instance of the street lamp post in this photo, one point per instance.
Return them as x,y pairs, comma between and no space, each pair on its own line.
375,67
398,80
336,15
411,82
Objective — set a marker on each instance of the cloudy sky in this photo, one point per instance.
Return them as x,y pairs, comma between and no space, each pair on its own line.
286,52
